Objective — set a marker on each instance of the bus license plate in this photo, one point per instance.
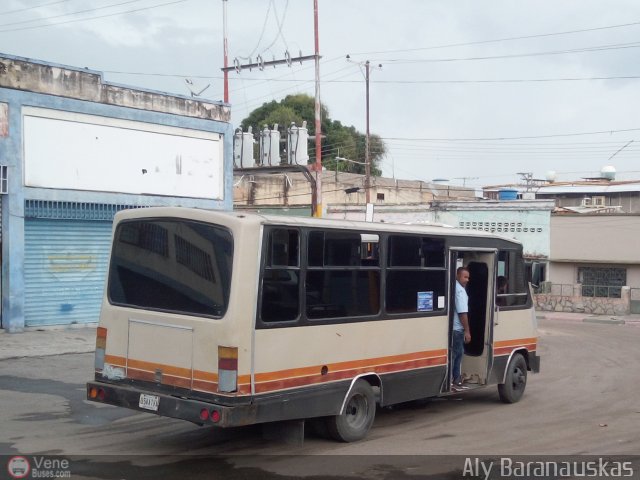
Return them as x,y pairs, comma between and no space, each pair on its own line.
149,402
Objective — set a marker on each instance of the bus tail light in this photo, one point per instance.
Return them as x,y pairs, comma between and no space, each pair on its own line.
227,369
101,345
96,393
215,416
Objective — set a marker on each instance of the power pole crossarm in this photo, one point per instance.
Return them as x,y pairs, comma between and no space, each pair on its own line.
261,64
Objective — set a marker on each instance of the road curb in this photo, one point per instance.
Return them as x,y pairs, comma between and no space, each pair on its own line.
606,321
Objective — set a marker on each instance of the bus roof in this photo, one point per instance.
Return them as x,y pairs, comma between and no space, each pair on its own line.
239,218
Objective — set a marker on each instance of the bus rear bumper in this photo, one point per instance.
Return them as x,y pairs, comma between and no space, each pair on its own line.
196,411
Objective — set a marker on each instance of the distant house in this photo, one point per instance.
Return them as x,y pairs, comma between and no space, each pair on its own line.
527,221
281,190
595,196
594,265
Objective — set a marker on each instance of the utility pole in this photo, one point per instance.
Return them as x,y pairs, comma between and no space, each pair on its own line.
261,63
367,154
464,180
226,51
367,139
527,177
318,128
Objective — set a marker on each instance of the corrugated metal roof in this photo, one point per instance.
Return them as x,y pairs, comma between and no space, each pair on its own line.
617,188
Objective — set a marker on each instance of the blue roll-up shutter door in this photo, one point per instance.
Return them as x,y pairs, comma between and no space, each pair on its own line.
64,270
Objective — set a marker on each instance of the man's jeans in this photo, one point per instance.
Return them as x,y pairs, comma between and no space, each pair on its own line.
457,350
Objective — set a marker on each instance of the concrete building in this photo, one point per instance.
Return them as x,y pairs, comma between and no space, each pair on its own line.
594,265
292,190
527,221
594,196
73,151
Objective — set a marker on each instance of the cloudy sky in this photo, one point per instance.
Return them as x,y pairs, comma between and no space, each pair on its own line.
472,91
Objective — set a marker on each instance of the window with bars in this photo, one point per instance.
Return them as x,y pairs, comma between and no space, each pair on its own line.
601,282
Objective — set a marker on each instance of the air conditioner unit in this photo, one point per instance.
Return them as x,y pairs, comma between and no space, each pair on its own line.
599,201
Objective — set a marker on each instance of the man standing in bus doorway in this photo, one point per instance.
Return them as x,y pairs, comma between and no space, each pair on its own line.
461,333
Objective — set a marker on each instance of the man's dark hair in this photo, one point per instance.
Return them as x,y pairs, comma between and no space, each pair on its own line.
461,269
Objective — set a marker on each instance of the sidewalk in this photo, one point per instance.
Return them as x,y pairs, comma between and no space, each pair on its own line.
82,339
633,319
49,341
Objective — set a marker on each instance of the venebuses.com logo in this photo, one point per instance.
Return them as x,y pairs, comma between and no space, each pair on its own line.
18,467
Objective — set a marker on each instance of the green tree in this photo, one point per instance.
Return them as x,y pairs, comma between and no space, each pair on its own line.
338,140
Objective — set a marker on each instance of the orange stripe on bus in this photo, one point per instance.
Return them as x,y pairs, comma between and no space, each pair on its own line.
208,382
299,381
169,369
508,350
199,385
349,366
115,361
515,342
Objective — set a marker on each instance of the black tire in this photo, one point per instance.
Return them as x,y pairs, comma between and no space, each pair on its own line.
359,412
515,382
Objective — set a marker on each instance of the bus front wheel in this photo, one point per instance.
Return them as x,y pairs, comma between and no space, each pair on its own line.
515,381
356,419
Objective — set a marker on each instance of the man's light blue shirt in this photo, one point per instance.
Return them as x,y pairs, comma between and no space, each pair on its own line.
462,306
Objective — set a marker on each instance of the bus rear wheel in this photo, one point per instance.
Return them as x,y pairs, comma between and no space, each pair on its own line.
359,412
515,382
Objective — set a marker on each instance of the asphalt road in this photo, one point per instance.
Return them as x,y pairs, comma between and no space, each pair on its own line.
585,401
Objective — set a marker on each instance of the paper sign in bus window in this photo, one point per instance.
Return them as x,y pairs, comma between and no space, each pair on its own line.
425,301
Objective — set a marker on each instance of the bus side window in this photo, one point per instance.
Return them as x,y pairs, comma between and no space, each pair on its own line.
343,275
511,281
281,277
416,276
502,288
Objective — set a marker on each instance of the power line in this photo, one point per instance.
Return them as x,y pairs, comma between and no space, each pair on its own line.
597,48
69,14
445,143
517,80
8,12
510,147
94,18
491,150
523,37
279,23
264,27
557,135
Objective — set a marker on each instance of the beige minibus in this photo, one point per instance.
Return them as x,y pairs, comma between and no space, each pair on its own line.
232,319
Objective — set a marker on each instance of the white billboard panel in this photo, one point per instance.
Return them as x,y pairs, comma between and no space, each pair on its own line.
88,152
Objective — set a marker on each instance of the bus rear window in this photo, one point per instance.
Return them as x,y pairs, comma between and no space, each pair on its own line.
171,265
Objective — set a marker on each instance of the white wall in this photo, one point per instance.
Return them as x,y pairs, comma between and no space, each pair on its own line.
608,239
73,151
